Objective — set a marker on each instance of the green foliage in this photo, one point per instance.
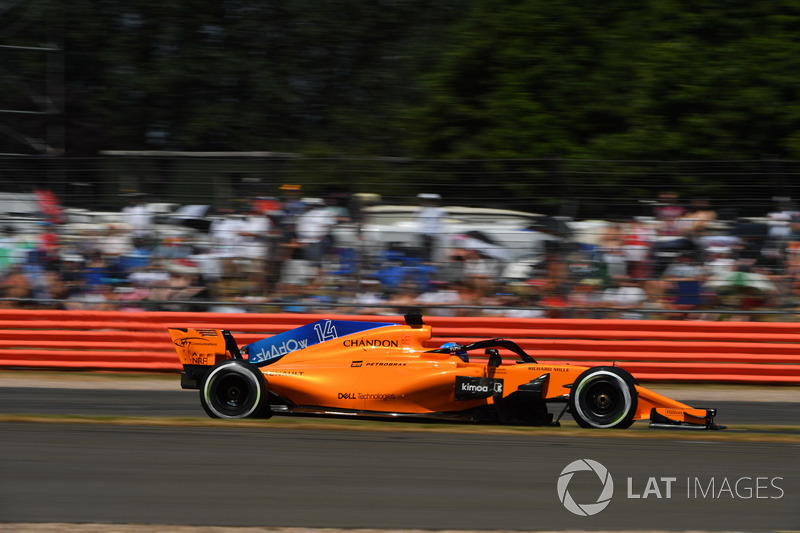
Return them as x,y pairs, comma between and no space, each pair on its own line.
239,75
473,79
655,80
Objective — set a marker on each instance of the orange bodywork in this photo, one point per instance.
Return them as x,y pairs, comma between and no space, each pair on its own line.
389,371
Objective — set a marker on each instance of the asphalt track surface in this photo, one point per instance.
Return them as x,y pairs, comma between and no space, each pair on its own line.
354,479
185,403
285,477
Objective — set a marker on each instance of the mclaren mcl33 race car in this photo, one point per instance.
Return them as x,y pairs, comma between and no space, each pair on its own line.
383,370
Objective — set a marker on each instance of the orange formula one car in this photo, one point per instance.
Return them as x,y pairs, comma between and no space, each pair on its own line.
370,369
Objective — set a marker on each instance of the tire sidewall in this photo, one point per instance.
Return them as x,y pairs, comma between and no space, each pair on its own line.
256,393
626,387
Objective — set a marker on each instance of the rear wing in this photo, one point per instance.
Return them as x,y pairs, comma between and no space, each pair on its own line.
204,347
199,350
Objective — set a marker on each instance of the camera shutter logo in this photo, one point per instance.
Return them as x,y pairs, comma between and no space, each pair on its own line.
587,509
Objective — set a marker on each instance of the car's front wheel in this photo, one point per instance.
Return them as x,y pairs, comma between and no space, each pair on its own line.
604,397
234,389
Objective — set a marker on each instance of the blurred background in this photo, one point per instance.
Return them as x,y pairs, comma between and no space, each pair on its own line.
522,158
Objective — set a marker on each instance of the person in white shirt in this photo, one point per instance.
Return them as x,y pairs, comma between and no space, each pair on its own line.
138,217
429,224
227,242
254,235
627,296
719,260
440,294
314,231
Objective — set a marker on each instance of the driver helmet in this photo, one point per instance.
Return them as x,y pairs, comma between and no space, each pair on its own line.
456,349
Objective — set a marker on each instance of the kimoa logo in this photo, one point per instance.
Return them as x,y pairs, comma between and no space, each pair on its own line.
471,387
587,509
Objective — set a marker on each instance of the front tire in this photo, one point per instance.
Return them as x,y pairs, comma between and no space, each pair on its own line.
604,397
234,390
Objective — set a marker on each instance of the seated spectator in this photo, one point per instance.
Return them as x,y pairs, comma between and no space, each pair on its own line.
610,251
780,218
97,270
291,298
317,295
792,263
131,297
672,239
185,290
404,298
683,282
471,292
515,300
364,297
615,261
718,259
229,292
15,288
88,297
136,259
791,300
116,241
657,301
437,298
13,248
637,242
173,248
695,222
625,296
254,238
481,270
554,298
52,291
667,212
586,298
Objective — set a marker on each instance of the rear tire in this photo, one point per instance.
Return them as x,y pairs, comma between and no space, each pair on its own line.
234,390
604,397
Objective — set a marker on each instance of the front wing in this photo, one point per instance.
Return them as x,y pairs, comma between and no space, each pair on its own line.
666,413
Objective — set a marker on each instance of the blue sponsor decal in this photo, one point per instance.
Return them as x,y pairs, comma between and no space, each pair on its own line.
299,338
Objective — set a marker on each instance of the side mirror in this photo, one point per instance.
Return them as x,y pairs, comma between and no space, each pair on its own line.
494,357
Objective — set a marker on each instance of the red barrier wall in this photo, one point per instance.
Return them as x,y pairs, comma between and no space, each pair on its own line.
747,352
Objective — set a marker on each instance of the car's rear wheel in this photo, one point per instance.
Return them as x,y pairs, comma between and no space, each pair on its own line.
604,397
234,389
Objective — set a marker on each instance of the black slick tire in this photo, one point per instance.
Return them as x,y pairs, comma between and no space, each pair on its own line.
234,389
604,397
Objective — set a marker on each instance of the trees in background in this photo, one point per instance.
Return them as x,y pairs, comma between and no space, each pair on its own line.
614,80
304,75
499,79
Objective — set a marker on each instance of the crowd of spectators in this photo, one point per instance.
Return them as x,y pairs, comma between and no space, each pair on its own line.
285,254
